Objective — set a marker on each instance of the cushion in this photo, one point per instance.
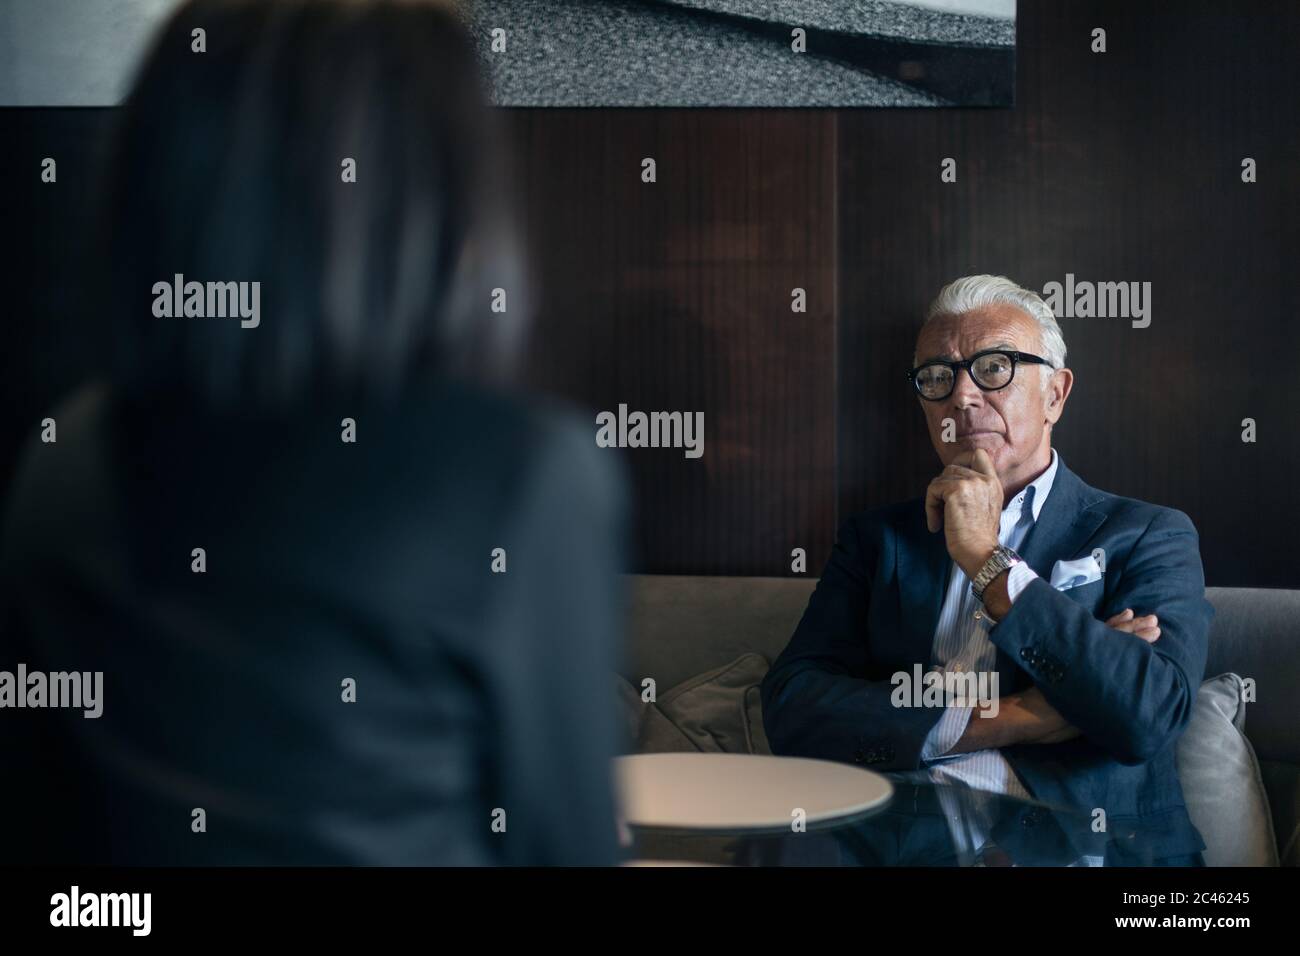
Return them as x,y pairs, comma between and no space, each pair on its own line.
1282,784
1221,779
719,711
628,706
757,736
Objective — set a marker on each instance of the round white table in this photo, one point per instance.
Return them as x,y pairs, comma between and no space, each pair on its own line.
746,794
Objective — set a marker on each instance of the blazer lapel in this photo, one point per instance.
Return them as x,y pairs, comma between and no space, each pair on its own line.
1064,525
1066,522
923,570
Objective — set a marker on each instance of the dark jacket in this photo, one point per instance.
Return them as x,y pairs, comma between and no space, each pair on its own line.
326,561
875,610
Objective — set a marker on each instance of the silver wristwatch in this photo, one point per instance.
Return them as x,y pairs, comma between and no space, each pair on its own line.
1001,559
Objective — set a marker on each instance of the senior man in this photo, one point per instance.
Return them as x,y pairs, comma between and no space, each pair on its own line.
1089,607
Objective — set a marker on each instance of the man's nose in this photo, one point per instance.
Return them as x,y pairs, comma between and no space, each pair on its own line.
964,390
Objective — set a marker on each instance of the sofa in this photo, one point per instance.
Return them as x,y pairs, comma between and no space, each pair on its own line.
706,642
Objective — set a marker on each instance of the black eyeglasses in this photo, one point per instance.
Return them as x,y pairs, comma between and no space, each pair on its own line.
991,370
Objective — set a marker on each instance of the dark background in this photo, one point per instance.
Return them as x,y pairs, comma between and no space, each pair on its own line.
1123,166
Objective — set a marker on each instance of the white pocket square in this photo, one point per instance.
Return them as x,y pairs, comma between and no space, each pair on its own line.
1073,574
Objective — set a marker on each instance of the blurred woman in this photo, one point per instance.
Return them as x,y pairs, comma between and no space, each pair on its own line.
354,599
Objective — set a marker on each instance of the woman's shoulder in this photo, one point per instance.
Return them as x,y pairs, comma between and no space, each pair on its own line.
548,440
531,428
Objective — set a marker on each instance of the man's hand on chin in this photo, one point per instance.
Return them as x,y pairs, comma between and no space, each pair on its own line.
965,500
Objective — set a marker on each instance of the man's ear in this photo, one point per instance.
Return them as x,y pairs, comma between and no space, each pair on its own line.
1058,390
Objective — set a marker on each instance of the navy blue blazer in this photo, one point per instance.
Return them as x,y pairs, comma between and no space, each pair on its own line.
875,610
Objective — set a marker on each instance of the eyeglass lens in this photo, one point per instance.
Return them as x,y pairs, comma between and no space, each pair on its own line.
993,370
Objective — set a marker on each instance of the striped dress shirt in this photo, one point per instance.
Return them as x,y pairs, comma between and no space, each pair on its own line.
961,642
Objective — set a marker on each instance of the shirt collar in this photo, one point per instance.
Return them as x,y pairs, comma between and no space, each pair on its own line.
1036,491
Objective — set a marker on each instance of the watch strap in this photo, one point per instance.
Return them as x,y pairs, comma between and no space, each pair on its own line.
1000,560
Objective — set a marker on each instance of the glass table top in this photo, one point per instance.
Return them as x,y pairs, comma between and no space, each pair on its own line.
925,823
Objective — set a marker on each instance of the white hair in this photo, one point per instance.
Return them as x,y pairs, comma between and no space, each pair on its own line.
976,292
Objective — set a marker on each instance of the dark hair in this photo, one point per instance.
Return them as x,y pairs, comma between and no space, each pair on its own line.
226,166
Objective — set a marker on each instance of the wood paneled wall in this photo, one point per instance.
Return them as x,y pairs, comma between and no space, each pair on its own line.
1123,166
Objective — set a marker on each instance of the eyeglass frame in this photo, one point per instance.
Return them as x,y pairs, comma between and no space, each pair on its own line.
955,366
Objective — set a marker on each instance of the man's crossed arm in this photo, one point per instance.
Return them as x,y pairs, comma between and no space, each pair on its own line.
1027,717
1129,697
